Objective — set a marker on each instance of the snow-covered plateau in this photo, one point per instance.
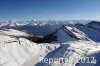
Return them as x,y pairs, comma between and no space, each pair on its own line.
41,43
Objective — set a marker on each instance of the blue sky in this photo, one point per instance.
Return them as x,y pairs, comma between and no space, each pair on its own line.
50,9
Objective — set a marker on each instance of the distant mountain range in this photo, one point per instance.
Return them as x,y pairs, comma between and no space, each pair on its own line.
29,43
43,28
38,27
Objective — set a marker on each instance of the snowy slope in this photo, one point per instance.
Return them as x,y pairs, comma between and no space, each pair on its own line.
90,32
73,42
72,51
70,33
21,52
12,32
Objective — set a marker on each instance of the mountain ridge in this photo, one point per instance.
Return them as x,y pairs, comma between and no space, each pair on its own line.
20,48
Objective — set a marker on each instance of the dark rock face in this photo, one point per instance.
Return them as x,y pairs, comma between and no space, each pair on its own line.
47,39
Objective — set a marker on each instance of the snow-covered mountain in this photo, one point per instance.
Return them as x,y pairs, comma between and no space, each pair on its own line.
22,52
70,33
71,53
92,30
65,45
38,27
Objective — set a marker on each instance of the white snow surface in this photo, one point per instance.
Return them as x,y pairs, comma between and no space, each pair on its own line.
22,52
12,32
70,33
72,51
19,51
